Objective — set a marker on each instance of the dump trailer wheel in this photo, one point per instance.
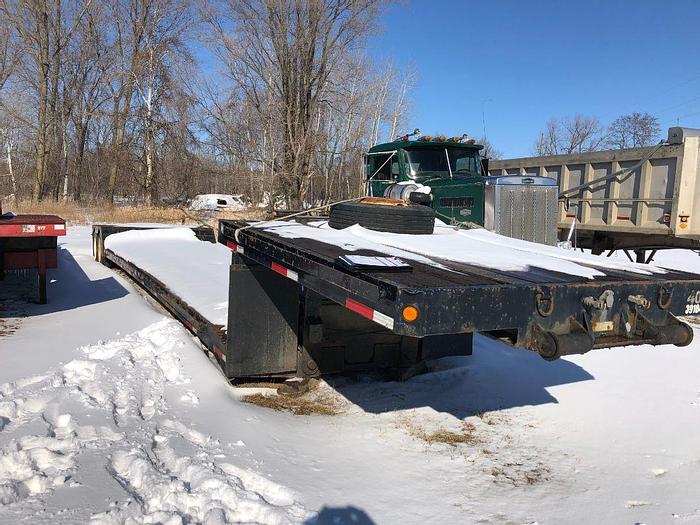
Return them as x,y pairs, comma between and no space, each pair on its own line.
411,219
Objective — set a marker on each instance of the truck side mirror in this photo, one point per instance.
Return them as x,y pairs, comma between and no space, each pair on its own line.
484,166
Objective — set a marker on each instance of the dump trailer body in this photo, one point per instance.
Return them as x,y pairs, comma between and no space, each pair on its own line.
656,205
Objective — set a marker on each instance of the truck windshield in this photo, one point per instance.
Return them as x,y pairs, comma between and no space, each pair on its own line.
429,162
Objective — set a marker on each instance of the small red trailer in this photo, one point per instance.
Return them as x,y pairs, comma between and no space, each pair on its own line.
29,242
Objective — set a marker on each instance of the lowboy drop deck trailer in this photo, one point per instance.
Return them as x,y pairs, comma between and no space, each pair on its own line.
295,310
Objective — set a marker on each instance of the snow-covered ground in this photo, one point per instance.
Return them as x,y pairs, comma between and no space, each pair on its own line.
111,413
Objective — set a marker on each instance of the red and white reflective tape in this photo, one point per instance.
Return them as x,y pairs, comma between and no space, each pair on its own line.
237,248
369,313
286,272
278,268
219,353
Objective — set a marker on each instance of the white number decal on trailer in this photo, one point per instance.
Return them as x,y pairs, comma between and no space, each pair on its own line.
693,303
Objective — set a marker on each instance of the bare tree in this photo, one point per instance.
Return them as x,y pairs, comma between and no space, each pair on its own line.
567,135
163,49
8,52
44,29
88,74
130,20
489,151
635,130
9,131
112,103
292,50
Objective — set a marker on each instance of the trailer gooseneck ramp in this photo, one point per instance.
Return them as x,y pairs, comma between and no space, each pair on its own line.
300,301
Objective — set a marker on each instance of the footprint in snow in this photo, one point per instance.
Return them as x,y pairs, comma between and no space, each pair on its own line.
636,503
189,397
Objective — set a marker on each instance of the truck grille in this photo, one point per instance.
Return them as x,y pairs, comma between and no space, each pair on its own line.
523,211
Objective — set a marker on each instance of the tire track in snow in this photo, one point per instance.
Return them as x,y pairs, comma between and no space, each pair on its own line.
123,382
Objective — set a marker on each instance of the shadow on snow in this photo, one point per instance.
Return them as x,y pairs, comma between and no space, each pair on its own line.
340,516
495,377
68,287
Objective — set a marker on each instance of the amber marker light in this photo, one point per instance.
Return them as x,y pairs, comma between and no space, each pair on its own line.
410,313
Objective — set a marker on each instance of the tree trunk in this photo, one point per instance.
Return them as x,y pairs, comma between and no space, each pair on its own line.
119,131
150,137
64,163
13,180
42,101
80,155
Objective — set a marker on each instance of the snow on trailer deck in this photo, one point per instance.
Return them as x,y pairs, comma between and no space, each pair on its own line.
122,418
195,271
478,247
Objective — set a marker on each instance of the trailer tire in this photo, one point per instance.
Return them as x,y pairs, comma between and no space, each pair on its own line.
414,219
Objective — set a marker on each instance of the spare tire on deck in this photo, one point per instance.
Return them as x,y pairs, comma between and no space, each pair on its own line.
402,218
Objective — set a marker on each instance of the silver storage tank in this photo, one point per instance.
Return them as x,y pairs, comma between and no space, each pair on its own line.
522,207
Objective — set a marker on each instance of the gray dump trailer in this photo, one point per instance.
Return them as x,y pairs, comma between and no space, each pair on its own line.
640,199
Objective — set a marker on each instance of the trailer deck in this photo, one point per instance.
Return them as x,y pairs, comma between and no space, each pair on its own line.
529,307
295,306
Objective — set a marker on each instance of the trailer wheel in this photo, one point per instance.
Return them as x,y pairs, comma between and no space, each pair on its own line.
411,219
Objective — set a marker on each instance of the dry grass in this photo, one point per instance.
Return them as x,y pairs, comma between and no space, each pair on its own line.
74,213
310,404
517,475
466,435
8,326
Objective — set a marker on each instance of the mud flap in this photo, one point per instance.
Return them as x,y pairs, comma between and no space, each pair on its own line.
263,317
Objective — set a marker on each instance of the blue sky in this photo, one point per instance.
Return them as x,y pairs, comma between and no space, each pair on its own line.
526,61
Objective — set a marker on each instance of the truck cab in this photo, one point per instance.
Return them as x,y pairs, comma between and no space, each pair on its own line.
452,168
454,179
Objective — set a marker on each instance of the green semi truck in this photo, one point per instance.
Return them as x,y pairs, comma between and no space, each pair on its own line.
451,176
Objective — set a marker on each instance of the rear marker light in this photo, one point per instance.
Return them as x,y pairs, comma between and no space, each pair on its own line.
219,353
410,313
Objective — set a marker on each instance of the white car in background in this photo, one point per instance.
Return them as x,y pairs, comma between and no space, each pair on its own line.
218,201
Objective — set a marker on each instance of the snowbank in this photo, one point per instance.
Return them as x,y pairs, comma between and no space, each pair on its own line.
218,201
478,246
196,271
